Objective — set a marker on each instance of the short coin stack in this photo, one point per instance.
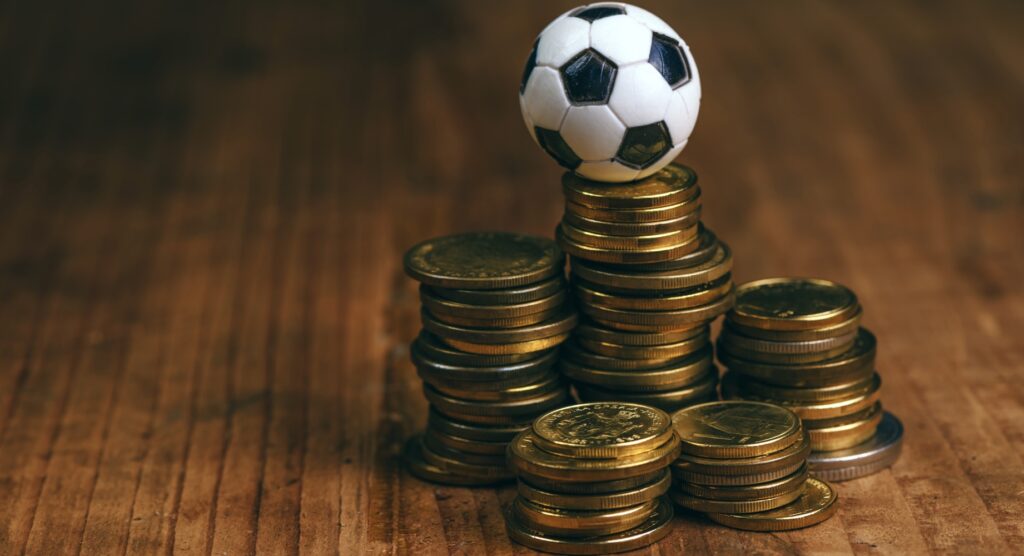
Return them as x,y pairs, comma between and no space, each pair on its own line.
744,464
494,313
592,479
798,343
650,279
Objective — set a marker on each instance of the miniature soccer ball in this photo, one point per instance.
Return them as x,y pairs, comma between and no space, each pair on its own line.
610,91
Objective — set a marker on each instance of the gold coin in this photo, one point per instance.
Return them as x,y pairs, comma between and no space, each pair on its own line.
503,296
780,358
877,453
626,280
511,374
689,298
501,323
735,506
438,305
789,457
531,346
662,379
759,346
831,331
494,473
748,492
677,349
483,260
526,457
760,477
602,430
487,393
816,504
421,469
433,444
844,432
793,304
846,389
473,432
621,499
458,443
858,362
671,185
656,527
605,241
552,396
626,256
639,215
735,429
485,388
669,400
705,251
814,410
632,229
561,323
595,332
581,523
657,319
437,351
594,488
572,353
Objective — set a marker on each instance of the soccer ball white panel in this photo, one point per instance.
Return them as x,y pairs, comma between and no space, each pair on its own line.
653,22
564,39
621,38
662,162
679,119
544,98
526,118
640,96
691,91
593,132
608,171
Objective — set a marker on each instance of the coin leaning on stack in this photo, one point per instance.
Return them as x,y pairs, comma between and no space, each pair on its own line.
744,464
494,310
592,479
797,342
649,279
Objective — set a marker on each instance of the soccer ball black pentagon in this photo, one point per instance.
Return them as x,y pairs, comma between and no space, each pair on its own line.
610,91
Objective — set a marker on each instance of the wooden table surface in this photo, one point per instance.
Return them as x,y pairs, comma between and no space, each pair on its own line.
203,208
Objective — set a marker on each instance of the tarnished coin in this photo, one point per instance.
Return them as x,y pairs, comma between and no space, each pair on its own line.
561,323
595,332
474,432
434,349
619,499
628,228
688,298
602,430
458,443
840,390
843,328
844,432
483,260
760,347
816,504
779,358
626,280
551,396
700,391
573,354
748,492
530,346
708,246
420,468
757,478
857,362
527,458
581,523
790,457
793,304
877,453
812,410
511,374
595,488
625,256
639,242
488,392
656,526
735,429
433,443
504,296
699,504
663,351
662,379
637,216
658,319
456,466
671,185
438,305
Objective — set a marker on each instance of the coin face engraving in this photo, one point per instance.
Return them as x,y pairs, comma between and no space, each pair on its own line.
483,256
602,424
793,298
733,425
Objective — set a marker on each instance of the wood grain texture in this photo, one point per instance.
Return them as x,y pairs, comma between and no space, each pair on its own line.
203,316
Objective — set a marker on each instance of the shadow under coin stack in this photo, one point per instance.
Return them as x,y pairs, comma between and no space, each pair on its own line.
744,464
592,479
650,279
798,343
494,313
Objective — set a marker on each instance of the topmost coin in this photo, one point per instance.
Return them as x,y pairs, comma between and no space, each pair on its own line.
672,185
483,260
602,430
792,304
736,429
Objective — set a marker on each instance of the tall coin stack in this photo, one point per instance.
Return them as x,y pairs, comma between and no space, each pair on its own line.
798,343
649,279
744,464
494,312
592,479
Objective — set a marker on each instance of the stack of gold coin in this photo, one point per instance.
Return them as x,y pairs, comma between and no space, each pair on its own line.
593,478
798,343
494,312
649,278
744,464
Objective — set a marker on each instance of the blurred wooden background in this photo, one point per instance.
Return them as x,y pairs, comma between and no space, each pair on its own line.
203,317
